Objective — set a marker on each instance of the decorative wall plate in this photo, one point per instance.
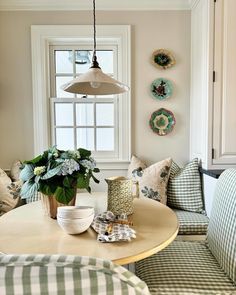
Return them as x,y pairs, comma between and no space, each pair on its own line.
163,59
162,122
161,88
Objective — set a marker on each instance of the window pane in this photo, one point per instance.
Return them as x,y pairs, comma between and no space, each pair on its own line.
64,61
83,59
105,60
64,114
105,114
65,138
105,139
85,138
59,82
84,114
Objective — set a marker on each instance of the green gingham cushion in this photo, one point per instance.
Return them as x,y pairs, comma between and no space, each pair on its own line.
34,198
184,188
184,268
52,275
222,227
191,223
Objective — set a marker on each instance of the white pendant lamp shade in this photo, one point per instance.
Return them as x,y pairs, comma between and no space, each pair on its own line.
95,82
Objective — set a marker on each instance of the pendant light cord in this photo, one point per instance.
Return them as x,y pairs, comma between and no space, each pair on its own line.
94,29
94,60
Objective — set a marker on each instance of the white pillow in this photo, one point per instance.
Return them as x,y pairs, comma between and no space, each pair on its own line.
152,180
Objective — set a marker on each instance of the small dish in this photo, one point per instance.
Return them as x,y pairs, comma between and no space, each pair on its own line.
162,121
163,59
161,88
75,226
73,212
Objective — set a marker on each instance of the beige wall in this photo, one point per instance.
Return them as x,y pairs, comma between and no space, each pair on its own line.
150,31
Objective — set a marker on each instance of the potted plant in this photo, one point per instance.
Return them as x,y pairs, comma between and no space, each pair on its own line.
57,174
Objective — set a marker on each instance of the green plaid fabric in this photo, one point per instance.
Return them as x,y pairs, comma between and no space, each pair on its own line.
191,223
61,275
222,227
34,198
184,268
184,188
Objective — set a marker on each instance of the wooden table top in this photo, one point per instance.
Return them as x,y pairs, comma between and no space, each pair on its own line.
26,230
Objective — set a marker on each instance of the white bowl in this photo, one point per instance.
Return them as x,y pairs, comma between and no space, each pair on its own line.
72,212
75,226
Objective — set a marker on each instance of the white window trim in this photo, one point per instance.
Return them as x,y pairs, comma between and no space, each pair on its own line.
42,36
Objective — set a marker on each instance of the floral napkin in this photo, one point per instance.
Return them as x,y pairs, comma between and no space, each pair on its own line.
111,228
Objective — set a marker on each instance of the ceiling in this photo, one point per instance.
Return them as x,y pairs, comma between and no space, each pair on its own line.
100,4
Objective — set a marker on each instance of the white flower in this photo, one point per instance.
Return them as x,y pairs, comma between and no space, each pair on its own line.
74,154
55,154
39,170
89,164
68,167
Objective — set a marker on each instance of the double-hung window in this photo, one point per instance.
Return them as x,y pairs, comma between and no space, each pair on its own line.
98,123
89,122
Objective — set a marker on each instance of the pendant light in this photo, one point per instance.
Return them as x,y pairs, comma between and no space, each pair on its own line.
94,81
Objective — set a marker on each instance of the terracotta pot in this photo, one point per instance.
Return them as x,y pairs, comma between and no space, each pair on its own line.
50,205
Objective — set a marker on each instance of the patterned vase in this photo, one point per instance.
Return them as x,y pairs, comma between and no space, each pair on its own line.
120,195
50,205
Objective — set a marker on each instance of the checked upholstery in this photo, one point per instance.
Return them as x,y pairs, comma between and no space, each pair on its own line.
191,223
60,275
200,267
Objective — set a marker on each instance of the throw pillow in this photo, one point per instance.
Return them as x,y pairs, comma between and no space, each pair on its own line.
15,170
153,180
184,188
135,164
9,193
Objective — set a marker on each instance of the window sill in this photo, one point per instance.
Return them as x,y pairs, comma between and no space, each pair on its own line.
112,165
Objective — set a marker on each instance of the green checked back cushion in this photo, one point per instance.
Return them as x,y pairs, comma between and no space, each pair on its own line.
184,188
221,235
60,274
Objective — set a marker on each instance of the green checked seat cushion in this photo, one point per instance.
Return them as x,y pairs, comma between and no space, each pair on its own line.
184,189
200,268
184,268
191,223
60,275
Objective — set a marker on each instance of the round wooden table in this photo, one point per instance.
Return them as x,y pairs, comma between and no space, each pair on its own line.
26,230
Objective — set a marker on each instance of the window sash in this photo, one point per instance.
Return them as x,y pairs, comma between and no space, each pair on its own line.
97,154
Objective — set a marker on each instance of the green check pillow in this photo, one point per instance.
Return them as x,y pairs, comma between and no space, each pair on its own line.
184,188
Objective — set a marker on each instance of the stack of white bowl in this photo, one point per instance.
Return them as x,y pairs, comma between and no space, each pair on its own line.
75,219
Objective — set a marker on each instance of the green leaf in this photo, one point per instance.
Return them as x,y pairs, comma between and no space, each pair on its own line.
96,170
67,182
64,195
28,189
84,153
51,172
65,155
95,179
82,181
35,160
88,189
47,189
27,172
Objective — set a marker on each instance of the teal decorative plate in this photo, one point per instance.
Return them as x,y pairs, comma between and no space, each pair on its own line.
162,122
163,59
161,88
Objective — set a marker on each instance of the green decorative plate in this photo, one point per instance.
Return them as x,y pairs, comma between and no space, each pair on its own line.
161,88
162,122
163,58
